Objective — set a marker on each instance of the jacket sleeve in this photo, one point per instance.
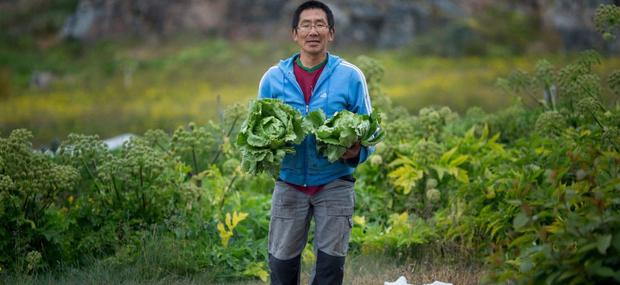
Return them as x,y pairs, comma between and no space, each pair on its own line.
264,87
359,103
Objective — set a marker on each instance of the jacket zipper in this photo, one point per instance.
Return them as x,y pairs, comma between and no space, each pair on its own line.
305,143
306,153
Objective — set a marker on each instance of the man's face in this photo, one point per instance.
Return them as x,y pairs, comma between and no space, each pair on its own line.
313,32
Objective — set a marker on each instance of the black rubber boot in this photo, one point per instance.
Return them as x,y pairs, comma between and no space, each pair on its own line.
329,269
285,272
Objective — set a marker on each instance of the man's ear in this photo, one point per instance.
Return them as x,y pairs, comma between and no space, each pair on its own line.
332,33
294,35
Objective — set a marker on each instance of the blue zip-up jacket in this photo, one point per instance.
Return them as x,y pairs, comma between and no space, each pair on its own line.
340,86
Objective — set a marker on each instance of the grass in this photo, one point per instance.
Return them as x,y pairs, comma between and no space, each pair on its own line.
359,270
163,259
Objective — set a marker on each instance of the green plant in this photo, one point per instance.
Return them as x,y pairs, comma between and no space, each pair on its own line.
268,134
607,20
338,133
195,144
31,223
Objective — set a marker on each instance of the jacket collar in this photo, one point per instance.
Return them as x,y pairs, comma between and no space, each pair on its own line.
286,66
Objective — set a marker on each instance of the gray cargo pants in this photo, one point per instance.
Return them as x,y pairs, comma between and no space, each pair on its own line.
291,212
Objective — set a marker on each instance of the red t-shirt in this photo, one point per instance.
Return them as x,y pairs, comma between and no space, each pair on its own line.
307,78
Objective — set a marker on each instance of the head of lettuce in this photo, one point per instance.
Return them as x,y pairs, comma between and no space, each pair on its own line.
268,134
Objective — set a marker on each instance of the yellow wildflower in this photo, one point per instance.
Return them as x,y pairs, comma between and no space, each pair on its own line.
231,222
224,234
359,220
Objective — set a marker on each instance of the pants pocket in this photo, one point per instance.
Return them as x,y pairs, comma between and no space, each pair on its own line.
288,227
336,229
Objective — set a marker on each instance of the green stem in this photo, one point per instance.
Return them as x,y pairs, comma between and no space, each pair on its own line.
24,206
142,190
597,121
194,159
159,145
226,190
219,149
118,196
92,176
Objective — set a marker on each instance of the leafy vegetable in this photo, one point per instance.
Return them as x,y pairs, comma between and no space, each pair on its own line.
338,133
268,134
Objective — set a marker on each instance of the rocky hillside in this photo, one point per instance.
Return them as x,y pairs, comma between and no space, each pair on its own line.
380,24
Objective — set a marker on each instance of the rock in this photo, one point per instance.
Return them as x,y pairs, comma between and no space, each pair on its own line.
100,19
399,29
41,80
378,24
117,141
79,24
573,22
384,24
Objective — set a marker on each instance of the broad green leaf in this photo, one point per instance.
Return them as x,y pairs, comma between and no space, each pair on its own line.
520,220
461,175
555,227
257,269
459,160
525,266
405,177
602,243
344,129
485,132
316,119
267,134
445,158
440,171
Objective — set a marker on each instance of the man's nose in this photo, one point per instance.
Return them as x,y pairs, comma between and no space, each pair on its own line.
313,31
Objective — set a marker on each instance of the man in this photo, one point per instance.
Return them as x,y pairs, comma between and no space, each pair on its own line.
309,185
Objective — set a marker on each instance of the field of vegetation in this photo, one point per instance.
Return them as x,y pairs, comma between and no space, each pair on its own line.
524,188
114,88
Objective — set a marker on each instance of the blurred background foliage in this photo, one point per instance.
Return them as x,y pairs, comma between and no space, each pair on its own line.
136,67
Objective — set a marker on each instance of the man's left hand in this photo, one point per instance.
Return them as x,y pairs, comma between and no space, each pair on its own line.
352,152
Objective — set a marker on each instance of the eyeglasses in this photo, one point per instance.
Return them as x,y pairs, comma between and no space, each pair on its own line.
307,27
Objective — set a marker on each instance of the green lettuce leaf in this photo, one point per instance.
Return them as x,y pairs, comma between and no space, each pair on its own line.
268,134
338,133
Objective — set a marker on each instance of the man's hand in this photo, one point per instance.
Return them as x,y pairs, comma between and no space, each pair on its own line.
352,152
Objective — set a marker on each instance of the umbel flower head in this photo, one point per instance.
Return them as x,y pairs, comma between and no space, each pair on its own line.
550,123
589,106
433,195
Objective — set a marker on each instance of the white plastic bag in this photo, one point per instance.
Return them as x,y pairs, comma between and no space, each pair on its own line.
439,283
400,281
403,281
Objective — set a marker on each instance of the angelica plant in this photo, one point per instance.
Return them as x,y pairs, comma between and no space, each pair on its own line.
607,20
195,145
29,186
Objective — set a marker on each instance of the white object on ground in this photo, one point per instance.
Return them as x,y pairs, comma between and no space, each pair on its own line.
400,281
117,141
403,281
439,283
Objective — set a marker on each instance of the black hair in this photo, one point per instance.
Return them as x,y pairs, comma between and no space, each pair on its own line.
313,5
